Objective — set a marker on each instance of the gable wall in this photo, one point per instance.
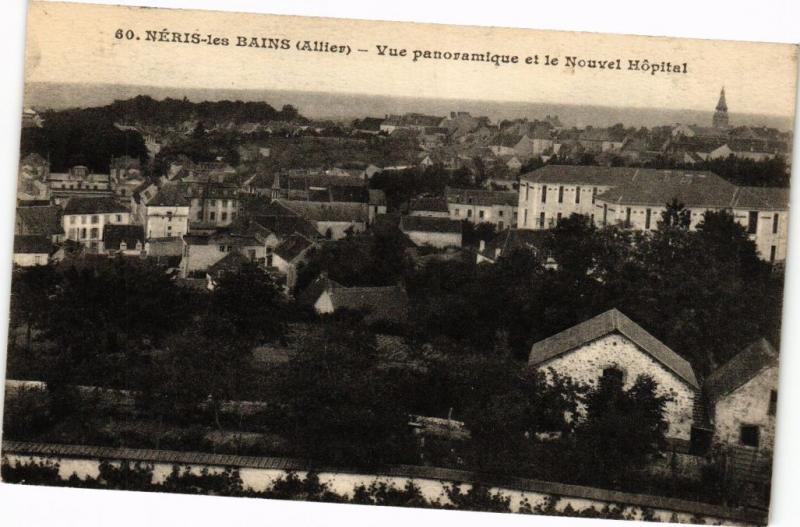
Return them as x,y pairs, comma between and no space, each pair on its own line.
748,404
586,363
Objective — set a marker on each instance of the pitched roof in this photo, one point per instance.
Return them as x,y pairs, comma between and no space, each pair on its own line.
741,368
292,246
657,187
763,198
39,220
481,196
377,197
104,205
336,211
609,322
113,235
312,292
231,262
429,224
381,303
32,244
428,204
170,195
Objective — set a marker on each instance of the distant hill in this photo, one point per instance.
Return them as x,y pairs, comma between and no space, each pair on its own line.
348,106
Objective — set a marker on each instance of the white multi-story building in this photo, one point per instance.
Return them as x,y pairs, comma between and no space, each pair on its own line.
85,218
482,206
167,213
635,198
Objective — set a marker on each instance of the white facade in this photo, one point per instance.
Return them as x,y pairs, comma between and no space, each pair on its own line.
166,221
541,205
88,228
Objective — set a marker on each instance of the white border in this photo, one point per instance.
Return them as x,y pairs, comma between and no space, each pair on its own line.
773,21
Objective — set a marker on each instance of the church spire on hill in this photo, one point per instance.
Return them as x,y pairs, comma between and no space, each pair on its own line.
720,119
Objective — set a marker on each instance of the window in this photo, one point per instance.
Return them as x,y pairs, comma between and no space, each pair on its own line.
94,233
213,203
499,225
72,220
269,259
647,215
613,373
594,193
541,220
627,216
83,233
212,216
480,214
469,213
457,212
561,194
752,222
772,251
95,219
199,215
748,435
251,255
224,216
83,220
222,248
107,218
500,213
605,214
773,402
525,218
119,217
527,188
775,224
558,218
577,194
544,193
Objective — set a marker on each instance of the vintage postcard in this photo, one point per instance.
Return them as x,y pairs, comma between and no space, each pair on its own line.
399,264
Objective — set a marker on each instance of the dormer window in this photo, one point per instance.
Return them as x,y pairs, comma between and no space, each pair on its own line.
123,246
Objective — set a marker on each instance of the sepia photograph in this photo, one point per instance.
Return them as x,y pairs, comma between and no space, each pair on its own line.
398,264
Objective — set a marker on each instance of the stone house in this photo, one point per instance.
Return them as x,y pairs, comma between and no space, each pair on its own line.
127,240
613,344
432,207
742,398
288,254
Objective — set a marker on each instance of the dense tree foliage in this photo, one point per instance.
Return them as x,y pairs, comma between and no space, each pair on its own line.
81,137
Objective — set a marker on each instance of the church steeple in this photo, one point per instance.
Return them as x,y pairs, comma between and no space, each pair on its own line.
720,119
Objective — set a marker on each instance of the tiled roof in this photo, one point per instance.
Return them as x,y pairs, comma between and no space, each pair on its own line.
481,197
428,204
381,303
312,292
39,220
93,206
658,187
337,211
113,235
221,238
429,224
609,322
32,244
170,195
231,262
292,247
762,198
741,368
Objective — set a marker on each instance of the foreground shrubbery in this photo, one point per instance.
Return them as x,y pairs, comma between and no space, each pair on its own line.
228,482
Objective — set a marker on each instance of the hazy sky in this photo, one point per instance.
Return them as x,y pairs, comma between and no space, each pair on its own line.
77,43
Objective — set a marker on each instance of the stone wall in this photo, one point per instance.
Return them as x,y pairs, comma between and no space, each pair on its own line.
586,363
259,473
747,405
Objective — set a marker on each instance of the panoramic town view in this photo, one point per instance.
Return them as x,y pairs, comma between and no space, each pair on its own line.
447,311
